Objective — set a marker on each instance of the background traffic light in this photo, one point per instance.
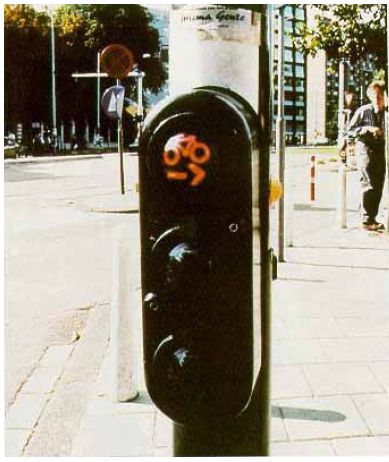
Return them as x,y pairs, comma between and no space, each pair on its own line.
196,156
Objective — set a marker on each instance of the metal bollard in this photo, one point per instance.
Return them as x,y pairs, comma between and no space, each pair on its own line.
312,177
125,323
342,193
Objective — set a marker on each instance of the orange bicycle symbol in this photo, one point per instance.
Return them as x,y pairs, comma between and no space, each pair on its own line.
188,147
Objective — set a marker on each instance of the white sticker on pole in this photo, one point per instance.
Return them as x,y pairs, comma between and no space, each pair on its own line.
218,23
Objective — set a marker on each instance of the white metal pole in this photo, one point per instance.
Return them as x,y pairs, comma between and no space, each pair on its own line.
98,95
53,82
139,84
342,171
280,134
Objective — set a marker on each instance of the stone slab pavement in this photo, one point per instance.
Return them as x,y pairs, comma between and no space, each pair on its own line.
330,357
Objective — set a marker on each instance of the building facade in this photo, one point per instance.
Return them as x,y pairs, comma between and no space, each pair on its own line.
311,84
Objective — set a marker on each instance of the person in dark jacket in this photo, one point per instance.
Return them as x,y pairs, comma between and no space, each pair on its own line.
367,129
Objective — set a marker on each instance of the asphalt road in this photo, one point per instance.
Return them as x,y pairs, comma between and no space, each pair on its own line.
58,253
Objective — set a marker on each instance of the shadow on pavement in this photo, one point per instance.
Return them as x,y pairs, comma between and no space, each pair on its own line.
283,412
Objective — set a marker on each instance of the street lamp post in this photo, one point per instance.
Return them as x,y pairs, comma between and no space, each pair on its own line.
53,83
98,97
342,170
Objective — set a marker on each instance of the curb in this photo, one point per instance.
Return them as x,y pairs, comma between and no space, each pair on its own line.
128,203
49,159
54,436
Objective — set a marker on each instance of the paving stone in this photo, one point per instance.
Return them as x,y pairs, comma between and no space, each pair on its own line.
288,382
42,380
359,309
163,452
355,349
365,326
104,405
337,379
277,426
302,449
362,447
60,422
318,327
318,418
278,329
14,441
163,431
25,412
375,411
297,351
56,354
61,419
115,436
86,361
381,371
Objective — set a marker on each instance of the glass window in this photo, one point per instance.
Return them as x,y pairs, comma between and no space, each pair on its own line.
288,12
288,69
288,40
288,25
300,13
299,57
288,55
299,71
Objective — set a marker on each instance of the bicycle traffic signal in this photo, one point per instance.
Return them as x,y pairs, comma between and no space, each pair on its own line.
196,155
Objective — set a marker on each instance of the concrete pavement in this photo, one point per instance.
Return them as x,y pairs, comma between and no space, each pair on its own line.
330,356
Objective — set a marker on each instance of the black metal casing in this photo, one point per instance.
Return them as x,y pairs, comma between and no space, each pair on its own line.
196,233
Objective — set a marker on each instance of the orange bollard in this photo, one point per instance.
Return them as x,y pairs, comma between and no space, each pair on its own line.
313,177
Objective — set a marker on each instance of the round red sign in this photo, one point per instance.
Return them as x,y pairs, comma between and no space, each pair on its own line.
117,61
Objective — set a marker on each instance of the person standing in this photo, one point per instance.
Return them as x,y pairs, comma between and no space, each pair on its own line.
367,129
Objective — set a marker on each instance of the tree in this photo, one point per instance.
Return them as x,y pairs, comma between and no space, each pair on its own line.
348,33
26,80
81,31
352,31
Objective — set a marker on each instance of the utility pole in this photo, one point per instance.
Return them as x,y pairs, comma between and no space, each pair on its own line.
53,83
98,96
280,134
342,170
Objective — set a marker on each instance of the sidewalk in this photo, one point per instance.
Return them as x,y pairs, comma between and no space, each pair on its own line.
330,353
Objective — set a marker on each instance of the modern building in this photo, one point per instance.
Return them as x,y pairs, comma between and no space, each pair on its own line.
311,83
295,72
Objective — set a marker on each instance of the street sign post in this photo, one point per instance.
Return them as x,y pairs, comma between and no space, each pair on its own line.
117,61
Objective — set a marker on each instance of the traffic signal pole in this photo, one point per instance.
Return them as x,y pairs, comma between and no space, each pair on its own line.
203,152
280,135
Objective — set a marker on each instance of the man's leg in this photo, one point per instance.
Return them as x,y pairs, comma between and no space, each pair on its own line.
377,169
368,195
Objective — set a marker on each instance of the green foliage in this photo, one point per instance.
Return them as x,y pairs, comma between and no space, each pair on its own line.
26,54
379,75
349,30
80,32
